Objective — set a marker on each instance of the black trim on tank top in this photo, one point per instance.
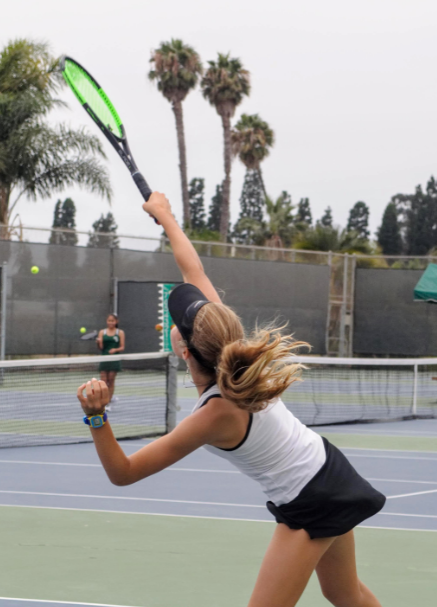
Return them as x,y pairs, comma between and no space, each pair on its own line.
249,425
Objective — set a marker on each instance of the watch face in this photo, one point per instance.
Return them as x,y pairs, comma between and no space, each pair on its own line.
96,422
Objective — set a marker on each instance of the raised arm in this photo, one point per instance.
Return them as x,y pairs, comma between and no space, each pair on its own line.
184,253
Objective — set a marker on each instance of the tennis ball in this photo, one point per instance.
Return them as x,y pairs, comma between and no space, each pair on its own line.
83,330
159,327
34,269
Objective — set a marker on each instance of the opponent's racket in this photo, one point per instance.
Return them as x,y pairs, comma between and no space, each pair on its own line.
89,336
95,101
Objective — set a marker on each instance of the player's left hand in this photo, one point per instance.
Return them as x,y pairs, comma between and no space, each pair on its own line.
112,351
96,399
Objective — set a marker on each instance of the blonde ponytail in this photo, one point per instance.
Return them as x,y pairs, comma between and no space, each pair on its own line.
249,371
252,372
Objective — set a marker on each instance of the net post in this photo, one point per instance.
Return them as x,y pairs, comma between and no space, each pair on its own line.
416,369
172,389
4,277
343,308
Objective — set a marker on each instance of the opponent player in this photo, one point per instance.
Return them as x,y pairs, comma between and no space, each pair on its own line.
110,341
314,493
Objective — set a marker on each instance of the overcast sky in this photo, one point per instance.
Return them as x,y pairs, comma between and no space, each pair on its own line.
348,86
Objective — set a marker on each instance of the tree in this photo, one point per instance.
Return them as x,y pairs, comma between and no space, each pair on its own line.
278,230
417,215
215,210
359,220
64,217
321,238
224,85
38,159
326,220
389,233
251,140
252,202
303,217
197,207
105,233
280,225
176,69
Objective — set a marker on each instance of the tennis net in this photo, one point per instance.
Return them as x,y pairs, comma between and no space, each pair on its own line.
38,403
353,390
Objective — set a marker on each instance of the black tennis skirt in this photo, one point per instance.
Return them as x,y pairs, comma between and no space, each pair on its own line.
336,499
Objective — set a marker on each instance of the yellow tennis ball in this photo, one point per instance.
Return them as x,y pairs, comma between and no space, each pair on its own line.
159,327
83,330
34,269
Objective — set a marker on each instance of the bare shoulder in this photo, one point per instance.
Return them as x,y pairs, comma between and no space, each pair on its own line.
220,410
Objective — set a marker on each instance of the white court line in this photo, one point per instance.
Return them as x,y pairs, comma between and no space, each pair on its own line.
130,498
408,515
170,469
411,457
393,497
206,470
8,598
213,518
169,501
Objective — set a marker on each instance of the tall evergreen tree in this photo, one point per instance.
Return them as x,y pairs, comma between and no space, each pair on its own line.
303,215
196,192
215,209
252,201
105,233
389,233
418,216
326,219
359,220
64,217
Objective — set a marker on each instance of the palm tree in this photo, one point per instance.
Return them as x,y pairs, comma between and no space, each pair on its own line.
176,69
251,140
278,230
37,159
328,238
224,85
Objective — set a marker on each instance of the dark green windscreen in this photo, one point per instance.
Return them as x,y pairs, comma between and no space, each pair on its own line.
87,92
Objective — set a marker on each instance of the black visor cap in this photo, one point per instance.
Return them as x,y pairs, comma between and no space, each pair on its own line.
184,303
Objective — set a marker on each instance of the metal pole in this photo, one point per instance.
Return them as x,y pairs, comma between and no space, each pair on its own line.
172,390
115,297
414,411
343,307
4,276
351,308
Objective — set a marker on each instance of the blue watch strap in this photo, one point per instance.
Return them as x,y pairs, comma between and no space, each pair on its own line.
95,421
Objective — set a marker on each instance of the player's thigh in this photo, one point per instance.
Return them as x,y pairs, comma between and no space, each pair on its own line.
286,568
337,570
104,376
111,376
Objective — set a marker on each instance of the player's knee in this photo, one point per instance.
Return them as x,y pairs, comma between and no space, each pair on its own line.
339,598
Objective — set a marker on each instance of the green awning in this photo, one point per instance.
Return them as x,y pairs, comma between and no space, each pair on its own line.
426,288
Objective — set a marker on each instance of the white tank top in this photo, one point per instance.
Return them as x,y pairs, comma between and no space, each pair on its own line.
278,451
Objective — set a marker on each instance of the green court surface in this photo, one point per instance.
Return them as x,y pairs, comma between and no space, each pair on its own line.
374,441
161,561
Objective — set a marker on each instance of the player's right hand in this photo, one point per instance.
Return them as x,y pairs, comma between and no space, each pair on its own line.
97,396
157,204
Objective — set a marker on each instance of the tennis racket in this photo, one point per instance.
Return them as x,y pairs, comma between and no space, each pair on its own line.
89,336
95,101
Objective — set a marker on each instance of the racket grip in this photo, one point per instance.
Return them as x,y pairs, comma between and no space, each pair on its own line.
143,187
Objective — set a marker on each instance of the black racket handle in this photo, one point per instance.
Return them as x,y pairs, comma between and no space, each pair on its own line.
143,187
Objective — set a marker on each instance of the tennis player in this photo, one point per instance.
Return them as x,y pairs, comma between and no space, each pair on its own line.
110,341
315,495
